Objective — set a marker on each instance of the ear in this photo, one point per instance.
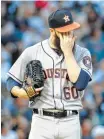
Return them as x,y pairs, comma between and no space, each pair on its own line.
52,31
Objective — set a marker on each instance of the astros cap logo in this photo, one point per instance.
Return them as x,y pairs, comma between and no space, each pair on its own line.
66,18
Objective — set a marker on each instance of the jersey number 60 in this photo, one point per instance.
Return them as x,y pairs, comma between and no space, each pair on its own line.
70,93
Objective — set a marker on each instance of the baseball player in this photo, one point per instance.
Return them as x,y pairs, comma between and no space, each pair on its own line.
67,70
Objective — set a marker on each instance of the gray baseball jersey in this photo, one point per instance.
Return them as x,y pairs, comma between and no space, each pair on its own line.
58,91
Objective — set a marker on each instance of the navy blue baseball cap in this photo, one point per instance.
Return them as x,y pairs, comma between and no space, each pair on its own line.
62,21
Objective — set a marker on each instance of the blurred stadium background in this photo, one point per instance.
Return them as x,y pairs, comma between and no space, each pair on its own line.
24,24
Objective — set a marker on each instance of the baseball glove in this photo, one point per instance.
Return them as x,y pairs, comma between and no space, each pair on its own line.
33,79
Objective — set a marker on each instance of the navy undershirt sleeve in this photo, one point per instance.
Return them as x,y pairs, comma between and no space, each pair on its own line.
82,81
10,84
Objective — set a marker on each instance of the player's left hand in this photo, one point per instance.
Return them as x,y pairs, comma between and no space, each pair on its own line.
67,42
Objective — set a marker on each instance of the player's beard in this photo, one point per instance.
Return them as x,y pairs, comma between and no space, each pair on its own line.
57,43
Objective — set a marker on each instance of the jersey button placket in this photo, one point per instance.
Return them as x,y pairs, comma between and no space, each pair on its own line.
61,91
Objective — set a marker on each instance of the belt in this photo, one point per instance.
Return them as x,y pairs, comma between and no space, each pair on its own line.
60,114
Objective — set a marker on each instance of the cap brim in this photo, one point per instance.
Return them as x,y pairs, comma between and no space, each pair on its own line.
70,27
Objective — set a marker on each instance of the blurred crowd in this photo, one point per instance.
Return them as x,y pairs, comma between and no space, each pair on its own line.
24,24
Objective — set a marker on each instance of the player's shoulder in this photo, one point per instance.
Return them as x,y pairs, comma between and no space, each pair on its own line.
81,50
34,48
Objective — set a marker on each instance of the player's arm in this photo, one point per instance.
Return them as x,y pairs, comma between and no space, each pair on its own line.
77,75
67,43
15,89
72,67
16,76
19,92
